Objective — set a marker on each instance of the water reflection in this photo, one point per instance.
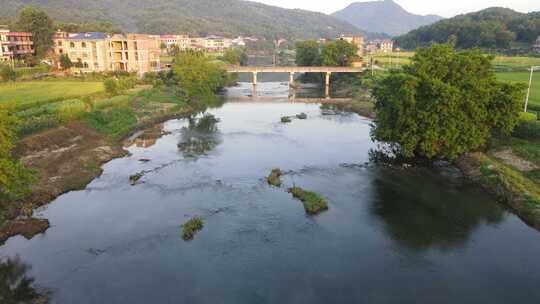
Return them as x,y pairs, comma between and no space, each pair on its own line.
435,215
200,136
16,286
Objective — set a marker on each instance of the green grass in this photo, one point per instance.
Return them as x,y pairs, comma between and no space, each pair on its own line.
526,149
534,99
190,228
29,92
515,62
313,202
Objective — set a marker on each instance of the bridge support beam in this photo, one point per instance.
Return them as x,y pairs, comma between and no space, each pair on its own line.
291,78
327,84
254,78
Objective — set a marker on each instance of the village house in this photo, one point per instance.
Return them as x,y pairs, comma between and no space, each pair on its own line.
15,45
98,52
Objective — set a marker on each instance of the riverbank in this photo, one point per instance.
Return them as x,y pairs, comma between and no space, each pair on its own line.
69,156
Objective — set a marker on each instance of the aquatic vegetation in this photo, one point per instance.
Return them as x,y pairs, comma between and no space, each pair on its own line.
301,116
191,227
313,202
274,178
135,178
286,119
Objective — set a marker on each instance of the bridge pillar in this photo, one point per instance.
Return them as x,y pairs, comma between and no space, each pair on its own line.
254,78
291,78
327,86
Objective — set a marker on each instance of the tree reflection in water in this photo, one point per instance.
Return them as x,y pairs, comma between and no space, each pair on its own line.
411,216
200,137
15,286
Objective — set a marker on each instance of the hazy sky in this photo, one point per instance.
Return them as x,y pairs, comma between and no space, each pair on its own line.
444,8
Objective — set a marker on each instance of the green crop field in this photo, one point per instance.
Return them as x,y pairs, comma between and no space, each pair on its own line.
534,99
36,91
514,62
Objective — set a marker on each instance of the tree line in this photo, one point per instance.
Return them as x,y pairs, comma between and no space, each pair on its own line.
493,28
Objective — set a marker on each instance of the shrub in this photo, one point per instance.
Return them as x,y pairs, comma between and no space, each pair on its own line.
7,73
313,202
35,124
111,86
524,117
191,227
286,119
274,178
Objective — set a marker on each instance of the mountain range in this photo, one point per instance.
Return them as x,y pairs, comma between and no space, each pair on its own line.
200,17
383,17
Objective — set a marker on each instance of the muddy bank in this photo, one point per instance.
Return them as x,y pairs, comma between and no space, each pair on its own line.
478,167
64,159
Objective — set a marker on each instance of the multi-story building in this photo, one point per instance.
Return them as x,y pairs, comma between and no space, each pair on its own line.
15,45
380,46
134,53
216,43
98,52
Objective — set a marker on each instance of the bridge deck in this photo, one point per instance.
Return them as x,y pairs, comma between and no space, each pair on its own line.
292,69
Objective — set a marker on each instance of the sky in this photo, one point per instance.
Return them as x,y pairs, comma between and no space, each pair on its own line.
423,7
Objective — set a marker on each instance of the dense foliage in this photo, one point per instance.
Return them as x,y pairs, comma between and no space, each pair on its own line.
338,53
495,28
444,104
7,73
308,53
333,53
40,25
14,178
197,74
197,17
236,56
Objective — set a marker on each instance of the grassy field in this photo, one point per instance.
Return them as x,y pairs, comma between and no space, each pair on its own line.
534,99
38,91
397,59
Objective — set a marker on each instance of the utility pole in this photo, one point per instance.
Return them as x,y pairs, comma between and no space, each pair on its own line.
529,89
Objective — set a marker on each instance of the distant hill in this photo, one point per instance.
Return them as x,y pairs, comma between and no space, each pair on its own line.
383,17
493,28
222,17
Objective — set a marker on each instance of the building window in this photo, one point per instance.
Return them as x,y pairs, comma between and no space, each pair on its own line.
85,65
59,42
72,44
83,45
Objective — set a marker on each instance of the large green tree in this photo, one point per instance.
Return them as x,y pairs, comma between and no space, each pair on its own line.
444,104
338,53
308,53
197,74
40,25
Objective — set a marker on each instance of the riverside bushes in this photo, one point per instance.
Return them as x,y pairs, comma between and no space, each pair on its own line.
14,178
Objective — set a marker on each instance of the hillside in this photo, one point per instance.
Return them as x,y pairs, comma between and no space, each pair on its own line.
493,28
383,17
223,17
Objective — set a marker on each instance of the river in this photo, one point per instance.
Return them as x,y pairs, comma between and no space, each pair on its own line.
391,235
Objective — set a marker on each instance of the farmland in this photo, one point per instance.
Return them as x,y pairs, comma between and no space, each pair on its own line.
26,92
534,99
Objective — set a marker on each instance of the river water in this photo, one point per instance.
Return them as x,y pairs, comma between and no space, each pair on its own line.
391,235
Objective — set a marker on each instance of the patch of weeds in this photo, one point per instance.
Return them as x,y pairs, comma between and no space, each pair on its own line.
313,202
274,178
190,228
286,119
134,179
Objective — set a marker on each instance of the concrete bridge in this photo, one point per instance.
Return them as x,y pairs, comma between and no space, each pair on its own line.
294,70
